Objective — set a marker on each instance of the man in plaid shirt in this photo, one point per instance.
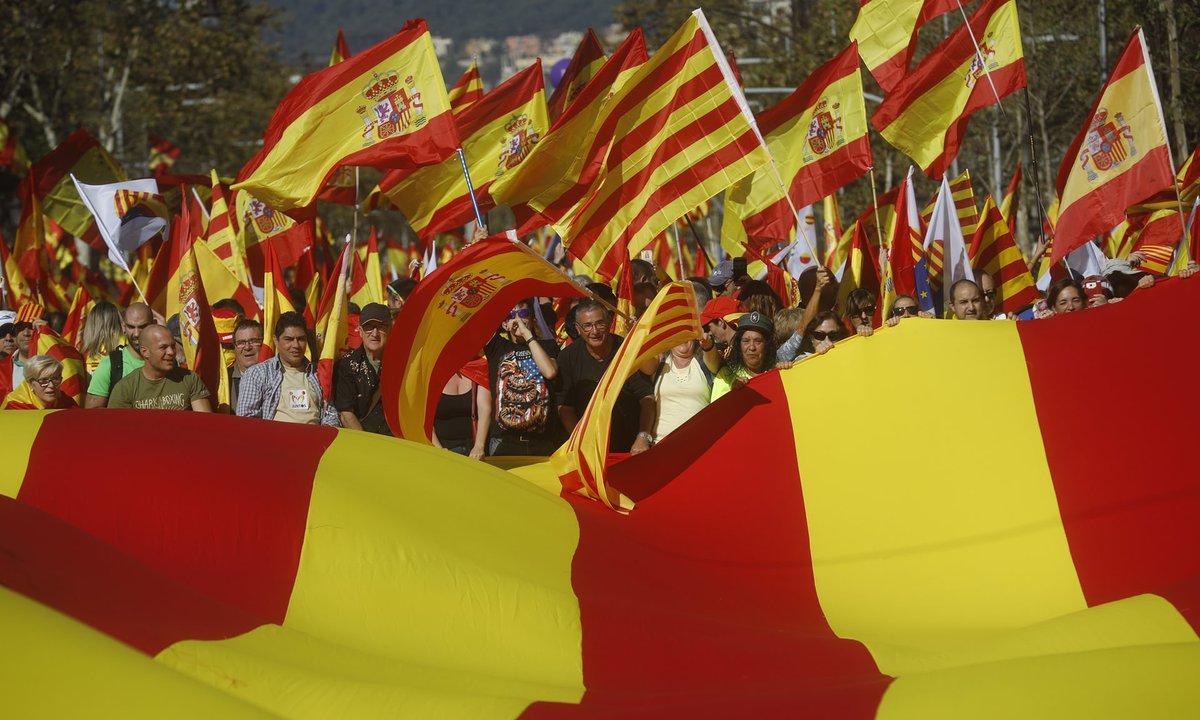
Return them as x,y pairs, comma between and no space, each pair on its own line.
285,388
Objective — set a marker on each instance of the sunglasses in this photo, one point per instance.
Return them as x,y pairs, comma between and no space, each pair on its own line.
910,311
869,310
823,336
523,313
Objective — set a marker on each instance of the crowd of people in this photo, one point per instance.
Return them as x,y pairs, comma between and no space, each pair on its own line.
533,378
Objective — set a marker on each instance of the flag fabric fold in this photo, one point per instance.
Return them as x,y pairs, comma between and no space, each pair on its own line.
886,33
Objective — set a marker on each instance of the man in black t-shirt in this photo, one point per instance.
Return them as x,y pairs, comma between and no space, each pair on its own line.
521,371
582,364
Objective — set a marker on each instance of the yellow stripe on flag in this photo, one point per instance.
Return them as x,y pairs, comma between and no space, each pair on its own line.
16,441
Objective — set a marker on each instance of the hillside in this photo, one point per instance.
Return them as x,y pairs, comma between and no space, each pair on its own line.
308,26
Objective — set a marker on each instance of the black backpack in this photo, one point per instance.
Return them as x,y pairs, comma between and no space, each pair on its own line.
116,368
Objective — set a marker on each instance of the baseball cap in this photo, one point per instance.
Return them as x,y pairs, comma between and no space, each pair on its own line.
755,320
375,312
721,274
723,307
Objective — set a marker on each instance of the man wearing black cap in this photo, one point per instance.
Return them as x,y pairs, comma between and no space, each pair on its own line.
356,376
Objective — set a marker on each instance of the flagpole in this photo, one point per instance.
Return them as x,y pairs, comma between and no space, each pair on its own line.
462,160
357,207
982,60
124,263
874,209
699,246
1033,158
679,249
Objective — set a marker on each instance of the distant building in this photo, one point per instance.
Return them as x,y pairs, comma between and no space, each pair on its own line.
442,46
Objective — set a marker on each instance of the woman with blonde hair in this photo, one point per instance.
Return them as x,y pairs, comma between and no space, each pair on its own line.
101,335
41,389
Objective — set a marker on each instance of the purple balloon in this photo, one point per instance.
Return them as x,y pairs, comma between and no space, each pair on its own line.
557,70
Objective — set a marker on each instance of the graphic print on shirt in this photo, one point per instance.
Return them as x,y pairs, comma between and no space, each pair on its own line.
522,394
298,399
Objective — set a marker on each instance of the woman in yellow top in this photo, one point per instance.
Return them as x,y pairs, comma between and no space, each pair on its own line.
751,353
102,334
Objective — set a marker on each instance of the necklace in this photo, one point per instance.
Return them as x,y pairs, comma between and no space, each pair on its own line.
680,377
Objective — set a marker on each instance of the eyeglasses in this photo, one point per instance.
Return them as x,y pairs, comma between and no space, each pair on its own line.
588,327
869,310
823,336
989,294
49,382
909,311
247,343
523,313
373,327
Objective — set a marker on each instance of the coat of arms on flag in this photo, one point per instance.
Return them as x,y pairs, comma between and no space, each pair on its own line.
264,217
1108,144
986,56
825,132
394,107
469,292
522,136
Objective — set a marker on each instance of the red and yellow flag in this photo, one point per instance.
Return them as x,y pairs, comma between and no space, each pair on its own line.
555,170
994,251
1119,158
81,304
340,51
835,245
467,91
1008,206
29,246
818,139
904,249
385,107
223,237
886,33
74,373
926,114
671,319
585,63
674,134
498,132
186,297
333,321
449,316
163,154
12,153
1156,238
80,155
276,301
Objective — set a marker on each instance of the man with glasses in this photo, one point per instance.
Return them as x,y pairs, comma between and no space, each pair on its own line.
582,364
987,288
123,361
521,370
247,343
356,375
904,306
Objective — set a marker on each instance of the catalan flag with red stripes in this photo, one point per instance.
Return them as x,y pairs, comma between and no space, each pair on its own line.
926,114
677,132
671,319
81,306
468,90
818,139
222,236
344,574
1119,158
886,33
994,251
585,63
385,107
163,155
1155,239
449,317
499,132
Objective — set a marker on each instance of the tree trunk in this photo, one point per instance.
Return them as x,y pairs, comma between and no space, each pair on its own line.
1181,143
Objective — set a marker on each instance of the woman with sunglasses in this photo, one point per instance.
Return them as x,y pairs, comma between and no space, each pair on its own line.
860,311
821,334
41,389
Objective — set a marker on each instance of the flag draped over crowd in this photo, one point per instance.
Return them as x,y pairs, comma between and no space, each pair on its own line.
834,581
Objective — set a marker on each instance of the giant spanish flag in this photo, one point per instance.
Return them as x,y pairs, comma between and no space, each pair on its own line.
817,137
886,33
80,155
926,114
385,107
1054,575
676,133
447,320
498,132
1119,158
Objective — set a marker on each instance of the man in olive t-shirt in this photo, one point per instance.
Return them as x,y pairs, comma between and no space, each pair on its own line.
160,384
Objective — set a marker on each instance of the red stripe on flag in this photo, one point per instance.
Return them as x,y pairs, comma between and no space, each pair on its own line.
197,522
1130,517
695,549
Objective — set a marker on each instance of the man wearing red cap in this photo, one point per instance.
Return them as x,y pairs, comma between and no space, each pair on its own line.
718,320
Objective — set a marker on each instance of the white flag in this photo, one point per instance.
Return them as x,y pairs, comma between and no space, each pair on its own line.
123,232
944,226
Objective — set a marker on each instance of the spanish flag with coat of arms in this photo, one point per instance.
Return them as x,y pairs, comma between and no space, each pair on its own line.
385,107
